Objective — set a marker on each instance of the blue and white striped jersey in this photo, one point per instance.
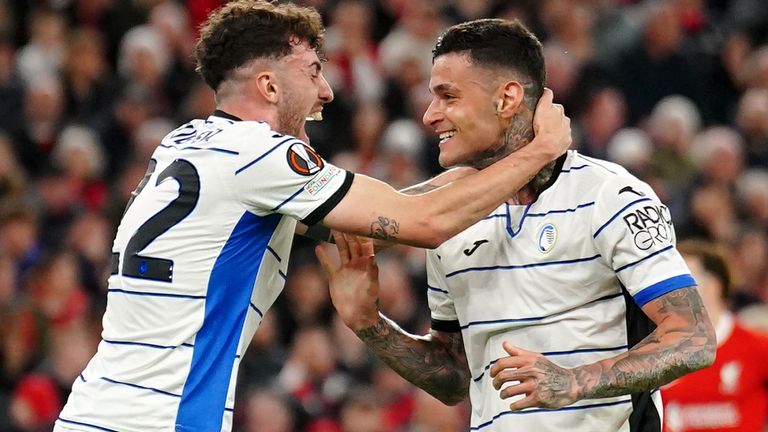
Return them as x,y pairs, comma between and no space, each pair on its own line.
200,255
564,276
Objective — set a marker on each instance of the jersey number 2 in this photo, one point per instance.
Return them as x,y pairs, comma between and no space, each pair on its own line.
154,268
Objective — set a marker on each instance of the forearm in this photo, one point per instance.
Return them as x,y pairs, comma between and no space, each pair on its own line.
372,208
462,202
650,365
439,368
675,348
439,180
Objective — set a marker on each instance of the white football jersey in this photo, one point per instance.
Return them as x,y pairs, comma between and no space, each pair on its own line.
564,276
200,255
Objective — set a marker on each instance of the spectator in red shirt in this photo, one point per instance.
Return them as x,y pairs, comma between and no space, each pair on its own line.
732,394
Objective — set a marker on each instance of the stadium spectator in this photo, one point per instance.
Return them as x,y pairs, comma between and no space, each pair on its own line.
732,394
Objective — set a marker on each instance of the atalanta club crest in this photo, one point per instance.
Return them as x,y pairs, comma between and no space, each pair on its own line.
547,238
303,160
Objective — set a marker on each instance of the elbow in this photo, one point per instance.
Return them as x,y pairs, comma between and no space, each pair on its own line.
708,354
704,357
435,234
451,399
709,351
452,392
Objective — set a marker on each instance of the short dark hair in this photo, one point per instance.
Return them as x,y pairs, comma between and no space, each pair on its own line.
244,30
713,259
497,43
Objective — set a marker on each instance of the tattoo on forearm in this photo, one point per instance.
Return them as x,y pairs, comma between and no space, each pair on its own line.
657,359
438,367
384,228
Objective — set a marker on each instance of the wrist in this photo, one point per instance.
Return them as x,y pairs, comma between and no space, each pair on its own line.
536,155
360,325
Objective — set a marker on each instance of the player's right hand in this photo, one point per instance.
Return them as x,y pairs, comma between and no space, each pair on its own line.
551,127
354,283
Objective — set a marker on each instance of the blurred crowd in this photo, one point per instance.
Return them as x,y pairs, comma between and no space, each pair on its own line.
675,90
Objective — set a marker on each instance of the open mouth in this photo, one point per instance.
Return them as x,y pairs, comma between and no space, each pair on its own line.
315,116
445,136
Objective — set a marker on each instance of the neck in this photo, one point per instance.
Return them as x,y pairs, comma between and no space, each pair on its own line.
250,112
517,135
530,192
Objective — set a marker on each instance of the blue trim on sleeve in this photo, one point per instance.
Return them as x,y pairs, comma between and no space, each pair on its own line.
660,288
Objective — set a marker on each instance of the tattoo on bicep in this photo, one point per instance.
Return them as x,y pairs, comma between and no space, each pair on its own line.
384,228
659,358
436,363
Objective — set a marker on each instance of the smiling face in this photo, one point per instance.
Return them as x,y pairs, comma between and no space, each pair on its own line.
304,90
463,111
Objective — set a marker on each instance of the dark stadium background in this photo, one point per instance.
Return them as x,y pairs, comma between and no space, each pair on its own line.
675,90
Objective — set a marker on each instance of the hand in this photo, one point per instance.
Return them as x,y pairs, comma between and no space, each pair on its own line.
551,127
354,284
543,383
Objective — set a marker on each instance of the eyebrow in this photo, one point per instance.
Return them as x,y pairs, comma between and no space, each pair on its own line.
317,65
442,88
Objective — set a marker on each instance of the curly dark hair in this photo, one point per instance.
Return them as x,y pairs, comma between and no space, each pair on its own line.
497,43
243,30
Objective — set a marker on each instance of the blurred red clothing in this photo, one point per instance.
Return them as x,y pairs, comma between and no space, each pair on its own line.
729,396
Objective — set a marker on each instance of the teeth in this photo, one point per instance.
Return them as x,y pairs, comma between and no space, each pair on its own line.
445,135
315,116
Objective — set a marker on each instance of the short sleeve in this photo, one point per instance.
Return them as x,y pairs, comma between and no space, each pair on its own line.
442,309
285,175
634,234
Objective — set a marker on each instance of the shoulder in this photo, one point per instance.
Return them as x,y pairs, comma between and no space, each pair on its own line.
604,178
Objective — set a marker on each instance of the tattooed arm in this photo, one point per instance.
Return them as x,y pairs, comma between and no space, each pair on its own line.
434,362
374,209
684,341
322,233
439,180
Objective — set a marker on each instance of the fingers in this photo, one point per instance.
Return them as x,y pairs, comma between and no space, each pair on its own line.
511,349
342,246
529,401
525,387
366,245
508,363
512,374
546,97
325,261
354,246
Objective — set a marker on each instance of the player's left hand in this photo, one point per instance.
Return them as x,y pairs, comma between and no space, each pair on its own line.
543,383
354,283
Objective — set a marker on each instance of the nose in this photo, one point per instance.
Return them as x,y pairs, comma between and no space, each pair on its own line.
432,115
326,93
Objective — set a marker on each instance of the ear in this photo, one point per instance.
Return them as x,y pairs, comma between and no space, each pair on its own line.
267,86
510,99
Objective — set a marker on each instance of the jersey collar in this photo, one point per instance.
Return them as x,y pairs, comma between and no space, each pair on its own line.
559,162
226,115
